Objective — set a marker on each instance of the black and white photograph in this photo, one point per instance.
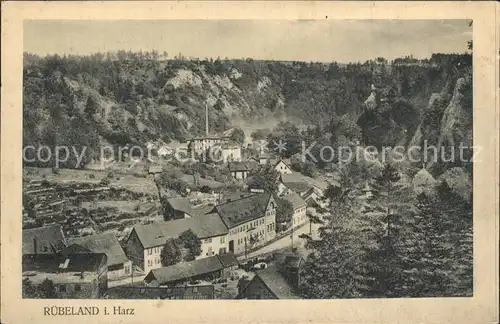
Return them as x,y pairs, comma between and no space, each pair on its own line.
318,159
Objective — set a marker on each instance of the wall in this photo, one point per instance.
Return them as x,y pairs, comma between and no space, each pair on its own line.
212,246
87,290
299,216
152,256
122,272
238,234
282,168
231,154
239,175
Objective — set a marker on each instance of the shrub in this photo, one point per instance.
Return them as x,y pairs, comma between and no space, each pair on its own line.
105,182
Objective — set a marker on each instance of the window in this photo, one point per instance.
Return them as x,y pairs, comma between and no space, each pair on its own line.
149,263
208,240
78,287
150,251
127,270
222,240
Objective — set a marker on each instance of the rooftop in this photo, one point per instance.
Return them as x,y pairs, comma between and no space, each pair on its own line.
102,243
156,234
77,267
51,235
228,259
238,166
239,211
184,270
141,292
275,282
295,200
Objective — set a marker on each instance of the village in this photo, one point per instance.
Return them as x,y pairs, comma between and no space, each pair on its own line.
209,239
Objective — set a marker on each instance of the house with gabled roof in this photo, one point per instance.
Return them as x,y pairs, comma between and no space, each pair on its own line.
119,265
48,239
238,170
281,165
250,220
278,281
299,207
145,243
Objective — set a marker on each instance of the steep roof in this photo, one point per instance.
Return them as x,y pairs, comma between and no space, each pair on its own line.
276,283
47,235
184,270
156,234
242,210
238,166
142,292
181,204
228,260
102,243
52,262
295,200
292,177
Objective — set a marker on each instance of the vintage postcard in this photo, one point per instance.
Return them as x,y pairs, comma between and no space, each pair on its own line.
259,162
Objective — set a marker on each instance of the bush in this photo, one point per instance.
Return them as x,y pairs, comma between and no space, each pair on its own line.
105,182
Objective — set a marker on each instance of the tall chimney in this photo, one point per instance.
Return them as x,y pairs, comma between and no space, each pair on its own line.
206,118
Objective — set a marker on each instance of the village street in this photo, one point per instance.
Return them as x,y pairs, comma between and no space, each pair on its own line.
286,241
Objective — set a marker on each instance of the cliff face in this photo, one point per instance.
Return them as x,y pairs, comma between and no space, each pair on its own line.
133,98
447,124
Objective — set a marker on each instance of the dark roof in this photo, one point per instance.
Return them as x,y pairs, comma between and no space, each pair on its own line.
141,292
252,165
181,204
275,282
184,270
242,210
238,166
47,235
102,243
295,200
228,260
297,186
51,262
157,233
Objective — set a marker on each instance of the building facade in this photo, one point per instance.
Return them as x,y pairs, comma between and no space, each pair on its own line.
75,276
146,242
119,266
251,221
282,167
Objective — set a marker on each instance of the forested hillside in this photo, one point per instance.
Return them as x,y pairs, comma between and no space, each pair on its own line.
133,98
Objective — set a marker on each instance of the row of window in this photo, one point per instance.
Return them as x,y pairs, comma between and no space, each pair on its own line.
247,226
300,210
242,241
156,249
156,261
270,227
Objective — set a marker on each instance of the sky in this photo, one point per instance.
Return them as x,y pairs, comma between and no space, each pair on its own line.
291,40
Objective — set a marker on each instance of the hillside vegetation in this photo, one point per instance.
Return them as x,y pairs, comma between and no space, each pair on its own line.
134,98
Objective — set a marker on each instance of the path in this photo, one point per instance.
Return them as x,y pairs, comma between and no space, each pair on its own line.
286,241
